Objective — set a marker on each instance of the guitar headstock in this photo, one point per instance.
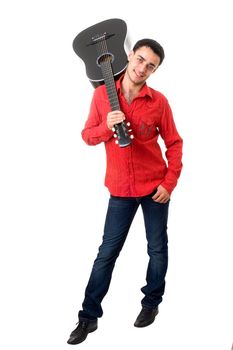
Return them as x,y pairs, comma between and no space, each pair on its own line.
123,134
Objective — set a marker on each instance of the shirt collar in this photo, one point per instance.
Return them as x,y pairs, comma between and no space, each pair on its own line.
145,90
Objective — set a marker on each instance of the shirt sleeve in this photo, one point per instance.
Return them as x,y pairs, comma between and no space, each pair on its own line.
95,130
174,144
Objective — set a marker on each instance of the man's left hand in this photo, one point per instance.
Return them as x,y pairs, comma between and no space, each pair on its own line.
162,195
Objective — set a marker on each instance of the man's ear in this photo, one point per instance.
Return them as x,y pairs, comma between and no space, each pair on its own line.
155,69
130,54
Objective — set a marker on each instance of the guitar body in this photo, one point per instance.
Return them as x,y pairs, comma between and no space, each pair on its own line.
84,47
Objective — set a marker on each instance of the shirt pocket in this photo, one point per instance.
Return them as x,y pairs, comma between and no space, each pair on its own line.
146,124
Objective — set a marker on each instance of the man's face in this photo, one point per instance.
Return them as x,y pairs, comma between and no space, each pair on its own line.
142,63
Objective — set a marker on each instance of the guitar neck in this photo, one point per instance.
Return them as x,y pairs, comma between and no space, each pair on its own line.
110,85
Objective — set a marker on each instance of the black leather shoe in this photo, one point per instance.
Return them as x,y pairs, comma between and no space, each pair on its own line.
146,317
81,332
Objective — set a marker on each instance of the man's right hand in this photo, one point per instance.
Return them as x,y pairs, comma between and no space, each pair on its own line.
114,117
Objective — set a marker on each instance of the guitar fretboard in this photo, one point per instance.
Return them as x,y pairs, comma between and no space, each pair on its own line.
110,85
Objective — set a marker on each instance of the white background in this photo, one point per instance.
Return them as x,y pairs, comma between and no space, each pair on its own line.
53,200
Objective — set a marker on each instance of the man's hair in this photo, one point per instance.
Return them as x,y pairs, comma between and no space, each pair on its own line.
153,45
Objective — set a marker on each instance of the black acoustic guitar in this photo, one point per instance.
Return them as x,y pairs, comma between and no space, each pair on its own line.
101,47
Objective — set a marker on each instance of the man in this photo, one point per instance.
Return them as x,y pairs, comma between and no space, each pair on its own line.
136,175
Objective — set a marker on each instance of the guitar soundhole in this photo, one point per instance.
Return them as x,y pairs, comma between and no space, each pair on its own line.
106,57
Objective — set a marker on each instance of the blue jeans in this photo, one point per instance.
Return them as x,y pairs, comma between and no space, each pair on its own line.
120,214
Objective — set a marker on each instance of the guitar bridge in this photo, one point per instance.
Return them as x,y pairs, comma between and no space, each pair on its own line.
99,37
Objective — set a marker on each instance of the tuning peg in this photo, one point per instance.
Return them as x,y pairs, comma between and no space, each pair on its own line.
113,129
115,135
131,136
117,142
129,130
128,124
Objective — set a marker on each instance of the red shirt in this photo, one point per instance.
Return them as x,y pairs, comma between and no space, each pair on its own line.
138,169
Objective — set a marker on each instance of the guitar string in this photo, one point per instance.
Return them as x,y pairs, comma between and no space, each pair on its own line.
103,51
110,75
113,87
